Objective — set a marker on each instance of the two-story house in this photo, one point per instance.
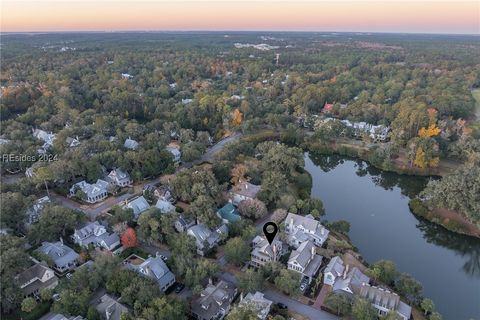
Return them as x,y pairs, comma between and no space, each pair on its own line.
303,228
214,301
62,256
119,178
96,234
263,252
206,239
154,268
36,278
385,301
305,260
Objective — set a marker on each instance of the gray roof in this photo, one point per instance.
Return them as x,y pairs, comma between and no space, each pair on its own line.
95,233
384,297
33,276
117,175
130,144
214,298
261,247
306,256
35,211
61,254
110,308
138,205
58,316
352,281
156,269
335,266
203,234
246,189
164,206
260,304
91,190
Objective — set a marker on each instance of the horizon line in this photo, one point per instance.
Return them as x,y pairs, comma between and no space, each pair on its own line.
235,31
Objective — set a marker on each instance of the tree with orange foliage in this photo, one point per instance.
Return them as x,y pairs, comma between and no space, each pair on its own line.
129,238
237,117
238,173
431,131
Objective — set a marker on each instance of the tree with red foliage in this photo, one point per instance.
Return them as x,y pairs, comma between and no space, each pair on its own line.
129,238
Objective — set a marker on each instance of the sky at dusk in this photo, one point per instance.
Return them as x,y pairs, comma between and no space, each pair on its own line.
405,16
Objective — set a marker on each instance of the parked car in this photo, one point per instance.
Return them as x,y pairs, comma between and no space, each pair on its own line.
179,287
282,306
303,286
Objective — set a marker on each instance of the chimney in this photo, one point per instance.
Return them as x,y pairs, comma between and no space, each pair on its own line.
241,296
210,282
291,223
313,252
345,271
61,240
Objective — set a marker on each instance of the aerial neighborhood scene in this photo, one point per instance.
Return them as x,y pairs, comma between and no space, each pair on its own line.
240,160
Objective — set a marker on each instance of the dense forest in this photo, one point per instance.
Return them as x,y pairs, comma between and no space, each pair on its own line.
152,87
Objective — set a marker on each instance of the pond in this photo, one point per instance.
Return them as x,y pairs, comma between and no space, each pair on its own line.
375,203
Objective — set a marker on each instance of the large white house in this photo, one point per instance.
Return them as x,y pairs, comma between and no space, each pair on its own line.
154,268
300,229
305,260
385,301
263,252
93,192
96,234
119,178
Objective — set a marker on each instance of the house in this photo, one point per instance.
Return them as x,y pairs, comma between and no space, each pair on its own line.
327,108
163,192
350,282
379,132
183,223
244,191
302,228
257,302
205,239
36,278
334,269
72,142
126,76
46,137
119,178
228,213
305,260
93,192
62,256
138,205
154,268
34,212
110,309
175,153
96,234
164,206
263,252
187,101
385,301
29,173
130,144
214,301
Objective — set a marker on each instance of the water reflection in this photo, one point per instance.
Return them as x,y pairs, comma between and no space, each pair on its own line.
464,246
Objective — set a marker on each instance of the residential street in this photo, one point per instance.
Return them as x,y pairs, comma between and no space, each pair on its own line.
294,305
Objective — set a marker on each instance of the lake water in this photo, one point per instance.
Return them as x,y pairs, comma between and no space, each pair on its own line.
382,227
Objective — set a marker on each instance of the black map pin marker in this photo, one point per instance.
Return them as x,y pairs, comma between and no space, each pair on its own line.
270,230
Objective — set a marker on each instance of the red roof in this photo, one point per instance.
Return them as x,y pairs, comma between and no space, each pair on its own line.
327,107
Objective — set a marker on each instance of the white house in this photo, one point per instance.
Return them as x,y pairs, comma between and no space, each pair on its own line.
334,269
34,212
119,178
215,301
93,192
46,137
263,252
385,301
258,302
305,260
205,238
63,257
72,142
244,191
302,228
96,234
